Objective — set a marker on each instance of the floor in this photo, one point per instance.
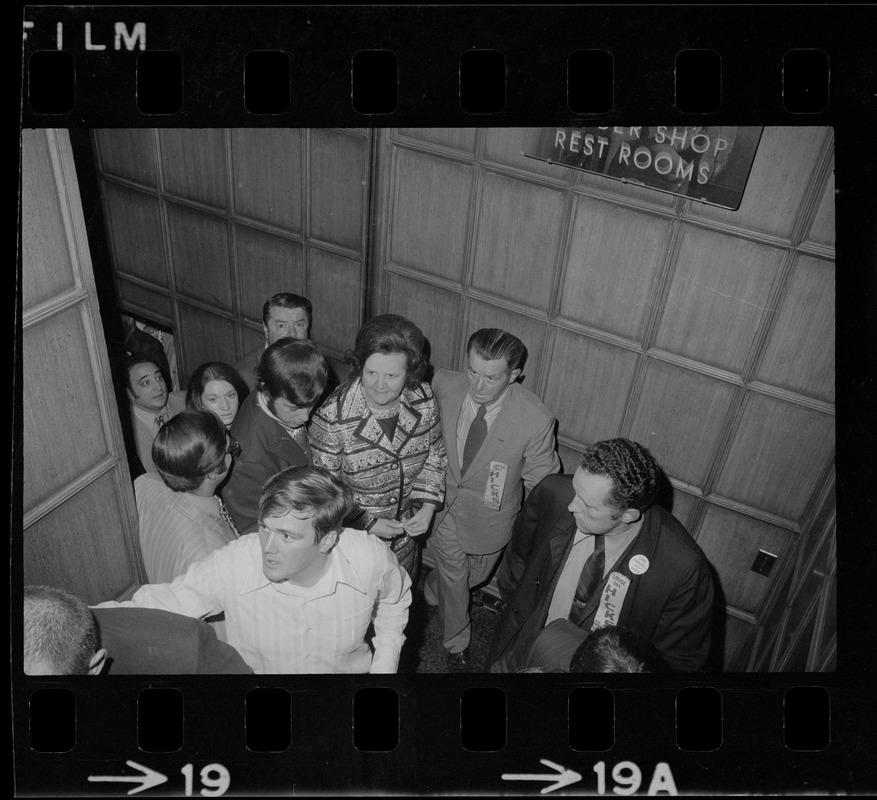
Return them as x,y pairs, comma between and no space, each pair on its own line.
423,651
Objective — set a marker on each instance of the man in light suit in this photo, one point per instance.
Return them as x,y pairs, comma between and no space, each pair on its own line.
151,405
500,442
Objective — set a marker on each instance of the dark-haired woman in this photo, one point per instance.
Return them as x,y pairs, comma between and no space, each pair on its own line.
380,433
217,387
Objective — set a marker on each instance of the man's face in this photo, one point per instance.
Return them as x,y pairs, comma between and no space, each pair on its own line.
488,379
146,387
283,322
291,415
593,515
290,550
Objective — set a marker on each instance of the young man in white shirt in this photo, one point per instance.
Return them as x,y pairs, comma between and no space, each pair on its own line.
299,597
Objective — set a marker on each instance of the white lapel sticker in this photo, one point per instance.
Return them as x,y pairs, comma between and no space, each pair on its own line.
611,600
638,564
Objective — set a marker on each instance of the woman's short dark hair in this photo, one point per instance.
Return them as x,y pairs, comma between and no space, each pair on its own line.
311,489
293,369
188,447
388,334
214,371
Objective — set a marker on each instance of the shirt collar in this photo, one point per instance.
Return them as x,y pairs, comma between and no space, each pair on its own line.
147,417
263,404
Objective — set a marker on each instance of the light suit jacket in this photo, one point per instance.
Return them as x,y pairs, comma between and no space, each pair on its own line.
521,437
144,435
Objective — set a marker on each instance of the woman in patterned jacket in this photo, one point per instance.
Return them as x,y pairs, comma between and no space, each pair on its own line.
380,433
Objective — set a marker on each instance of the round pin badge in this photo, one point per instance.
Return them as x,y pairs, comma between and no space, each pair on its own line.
638,565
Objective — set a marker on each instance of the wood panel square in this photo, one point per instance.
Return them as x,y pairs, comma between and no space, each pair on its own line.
679,417
822,230
800,350
731,542
266,165
46,267
204,337
64,432
587,387
518,239
194,164
265,264
135,233
784,163
779,454
613,261
338,188
200,255
717,297
434,310
429,214
65,549
129,153
335,290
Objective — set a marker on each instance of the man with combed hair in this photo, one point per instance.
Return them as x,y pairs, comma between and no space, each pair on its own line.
300,596
592,550
284,315
182,520
62,636
271,424
486,477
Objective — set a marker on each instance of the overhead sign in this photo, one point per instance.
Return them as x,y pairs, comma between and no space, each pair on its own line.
710,164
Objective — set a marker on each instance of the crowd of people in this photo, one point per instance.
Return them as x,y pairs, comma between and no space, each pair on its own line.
283,515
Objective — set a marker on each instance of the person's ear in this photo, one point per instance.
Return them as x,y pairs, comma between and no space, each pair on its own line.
514,375
631,516
98,662
328,541
265,331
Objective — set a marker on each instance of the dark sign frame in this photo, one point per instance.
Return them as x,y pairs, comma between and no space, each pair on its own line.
709,164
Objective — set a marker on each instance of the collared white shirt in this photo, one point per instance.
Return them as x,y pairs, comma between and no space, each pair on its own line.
582,548
282,628
148,418
467,414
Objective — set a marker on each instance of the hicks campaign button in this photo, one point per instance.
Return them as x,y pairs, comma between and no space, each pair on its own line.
638,565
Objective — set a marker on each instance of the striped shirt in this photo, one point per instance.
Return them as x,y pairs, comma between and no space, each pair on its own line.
176,528
282,628
467,414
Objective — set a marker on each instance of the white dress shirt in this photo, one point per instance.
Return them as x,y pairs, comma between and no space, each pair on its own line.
282,628
468,411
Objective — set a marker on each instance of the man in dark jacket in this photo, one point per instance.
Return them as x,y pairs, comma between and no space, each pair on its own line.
592,549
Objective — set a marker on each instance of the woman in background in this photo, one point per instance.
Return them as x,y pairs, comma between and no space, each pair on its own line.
380,433
217,387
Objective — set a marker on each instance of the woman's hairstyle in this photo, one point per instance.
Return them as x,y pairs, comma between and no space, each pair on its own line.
388,334
311,489
188,447
293,369
214,371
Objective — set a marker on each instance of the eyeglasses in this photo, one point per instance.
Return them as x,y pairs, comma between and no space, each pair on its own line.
234,447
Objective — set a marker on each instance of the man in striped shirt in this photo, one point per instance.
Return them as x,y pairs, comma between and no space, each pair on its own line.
299,597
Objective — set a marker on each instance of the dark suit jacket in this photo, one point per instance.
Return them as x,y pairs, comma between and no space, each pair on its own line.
669,605
266,448
521,437
146,641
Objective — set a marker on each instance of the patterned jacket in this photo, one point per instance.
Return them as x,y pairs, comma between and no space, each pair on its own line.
387,477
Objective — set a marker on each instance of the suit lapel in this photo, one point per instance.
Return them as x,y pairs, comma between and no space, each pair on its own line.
367,428
502,428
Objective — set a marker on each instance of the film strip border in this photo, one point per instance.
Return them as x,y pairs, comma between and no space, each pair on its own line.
432,65
432,737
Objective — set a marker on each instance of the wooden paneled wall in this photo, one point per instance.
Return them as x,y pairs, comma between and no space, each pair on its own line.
78,523
205,225
705,334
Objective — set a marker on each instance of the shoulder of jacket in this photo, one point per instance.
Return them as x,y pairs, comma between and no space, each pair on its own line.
531,400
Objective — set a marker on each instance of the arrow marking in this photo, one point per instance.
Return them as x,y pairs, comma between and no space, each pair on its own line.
147,780
563,776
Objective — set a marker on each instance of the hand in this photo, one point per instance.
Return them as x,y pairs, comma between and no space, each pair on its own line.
419,523
387,528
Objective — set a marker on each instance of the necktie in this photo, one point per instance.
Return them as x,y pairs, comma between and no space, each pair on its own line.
589,580
226,516
159,420
474,439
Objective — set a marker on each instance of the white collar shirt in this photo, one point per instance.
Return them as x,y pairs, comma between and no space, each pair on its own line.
283,628
467,414
148,418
